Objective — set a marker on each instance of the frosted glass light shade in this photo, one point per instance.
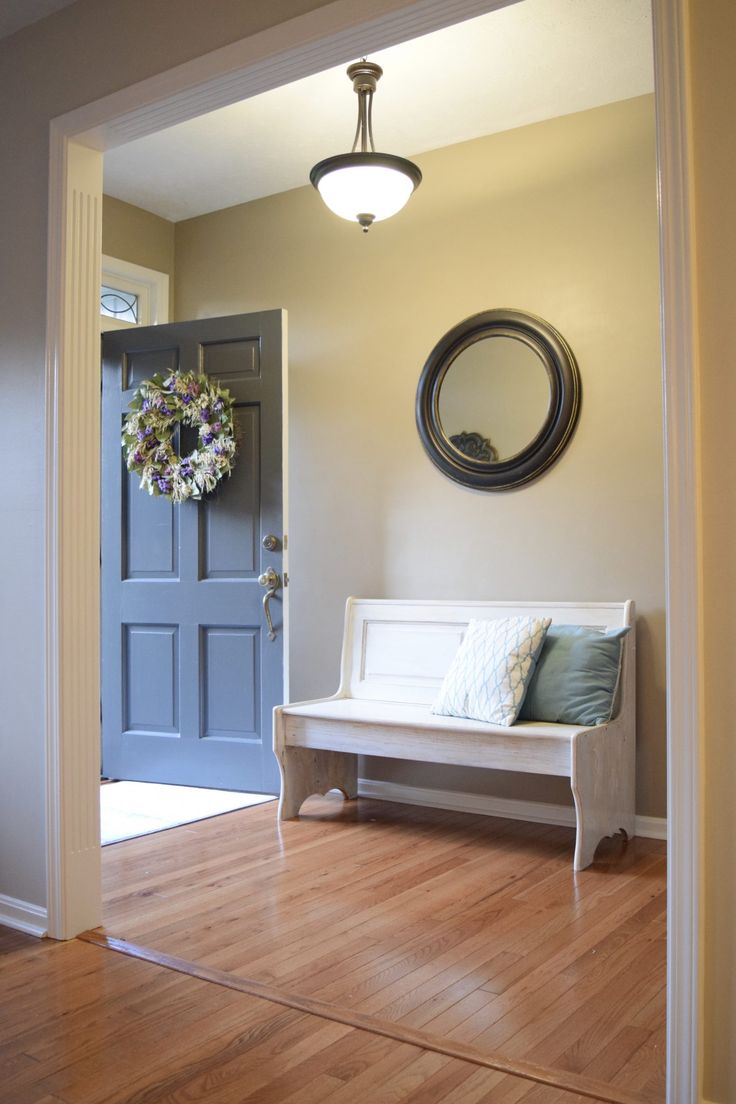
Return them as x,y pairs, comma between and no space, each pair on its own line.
356,185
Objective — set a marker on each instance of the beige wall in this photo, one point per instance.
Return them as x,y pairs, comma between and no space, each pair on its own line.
134,235
713,89
557,218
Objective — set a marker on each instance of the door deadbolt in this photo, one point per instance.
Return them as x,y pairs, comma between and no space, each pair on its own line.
271,543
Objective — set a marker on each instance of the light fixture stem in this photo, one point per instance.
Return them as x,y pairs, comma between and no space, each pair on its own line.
357,131
364,129
363,112
370,122
364,75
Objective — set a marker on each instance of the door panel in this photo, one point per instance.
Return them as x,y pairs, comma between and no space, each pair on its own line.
150,679
190,676
230,539
150,533
140,364
230,711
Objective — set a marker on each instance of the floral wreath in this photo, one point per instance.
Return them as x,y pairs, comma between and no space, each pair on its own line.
157,407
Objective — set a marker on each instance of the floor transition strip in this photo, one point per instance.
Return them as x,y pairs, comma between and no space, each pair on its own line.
557,1079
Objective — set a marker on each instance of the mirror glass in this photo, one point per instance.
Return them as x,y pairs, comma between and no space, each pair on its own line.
494,398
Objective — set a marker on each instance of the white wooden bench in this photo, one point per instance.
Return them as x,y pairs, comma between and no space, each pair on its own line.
395,655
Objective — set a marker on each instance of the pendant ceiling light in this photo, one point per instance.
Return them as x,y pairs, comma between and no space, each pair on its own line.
364,186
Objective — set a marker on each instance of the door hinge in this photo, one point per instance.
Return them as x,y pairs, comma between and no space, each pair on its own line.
286,578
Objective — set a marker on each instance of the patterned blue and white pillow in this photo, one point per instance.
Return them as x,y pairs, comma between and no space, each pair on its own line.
488,677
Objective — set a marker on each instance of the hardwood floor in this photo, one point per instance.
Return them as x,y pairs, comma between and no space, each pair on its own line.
83,1025
466,929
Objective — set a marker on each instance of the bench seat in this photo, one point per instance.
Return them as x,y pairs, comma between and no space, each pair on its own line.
408,731
395,655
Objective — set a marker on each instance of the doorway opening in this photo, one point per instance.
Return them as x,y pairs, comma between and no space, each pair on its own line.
184,707
68,586
542,194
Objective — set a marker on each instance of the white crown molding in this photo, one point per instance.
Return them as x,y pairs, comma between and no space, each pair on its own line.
318,40
23,916
538,812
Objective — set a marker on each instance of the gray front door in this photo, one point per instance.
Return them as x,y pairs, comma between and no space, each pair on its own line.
189,674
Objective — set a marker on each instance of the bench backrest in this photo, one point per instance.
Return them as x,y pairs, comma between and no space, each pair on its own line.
395,650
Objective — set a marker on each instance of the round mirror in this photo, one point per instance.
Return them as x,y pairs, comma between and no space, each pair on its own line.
498,399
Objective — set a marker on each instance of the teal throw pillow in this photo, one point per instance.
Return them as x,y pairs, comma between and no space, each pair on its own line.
576,676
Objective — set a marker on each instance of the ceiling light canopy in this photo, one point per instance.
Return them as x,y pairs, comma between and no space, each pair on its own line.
364,186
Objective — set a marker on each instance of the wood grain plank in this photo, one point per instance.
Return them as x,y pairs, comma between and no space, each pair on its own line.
120,1030
12,941
519,1068
469,928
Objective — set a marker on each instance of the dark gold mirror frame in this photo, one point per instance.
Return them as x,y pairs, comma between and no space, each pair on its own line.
562,414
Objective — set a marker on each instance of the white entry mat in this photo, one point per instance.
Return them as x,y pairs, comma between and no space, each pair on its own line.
129,809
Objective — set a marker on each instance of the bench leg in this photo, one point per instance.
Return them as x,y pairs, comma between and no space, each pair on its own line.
602,780
307,771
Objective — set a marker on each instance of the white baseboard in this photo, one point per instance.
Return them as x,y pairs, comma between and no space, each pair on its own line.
651,827
536,811
23,916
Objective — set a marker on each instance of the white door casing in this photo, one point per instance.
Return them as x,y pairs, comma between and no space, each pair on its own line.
329,36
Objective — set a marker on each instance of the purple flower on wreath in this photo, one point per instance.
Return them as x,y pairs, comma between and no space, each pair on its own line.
165,410
146,405
216,427
137,457
187,398
218,405
204,415
208,438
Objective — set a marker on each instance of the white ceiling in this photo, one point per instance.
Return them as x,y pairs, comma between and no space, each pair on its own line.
531,61
15,14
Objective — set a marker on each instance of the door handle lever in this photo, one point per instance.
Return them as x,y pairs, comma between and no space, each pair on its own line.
272,580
